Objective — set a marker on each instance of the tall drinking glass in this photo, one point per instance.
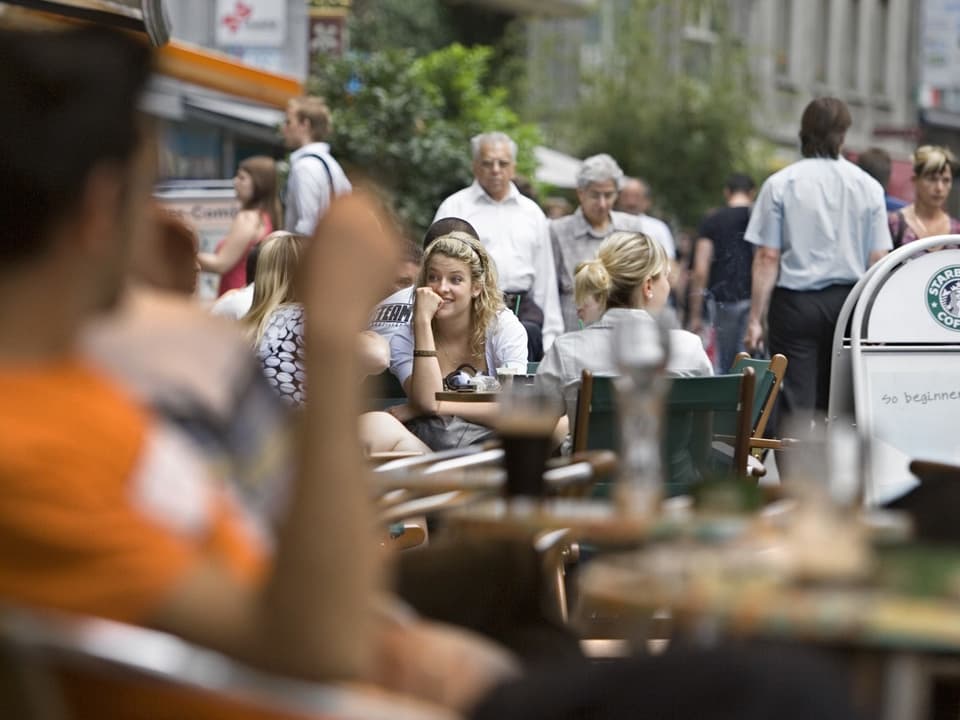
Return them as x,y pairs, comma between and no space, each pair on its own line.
525,422
641,348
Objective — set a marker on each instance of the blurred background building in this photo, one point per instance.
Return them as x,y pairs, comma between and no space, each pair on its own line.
863,51
231,64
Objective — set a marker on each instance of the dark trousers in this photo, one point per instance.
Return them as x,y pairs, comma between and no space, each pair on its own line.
534,340
531,317
801,325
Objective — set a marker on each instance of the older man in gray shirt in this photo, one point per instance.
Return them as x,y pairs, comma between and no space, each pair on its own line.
576,237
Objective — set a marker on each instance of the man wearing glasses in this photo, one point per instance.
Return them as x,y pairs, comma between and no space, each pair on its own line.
513,229
576,237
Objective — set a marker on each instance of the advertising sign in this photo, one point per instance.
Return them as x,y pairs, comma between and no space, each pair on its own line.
251,23
939,55
920,303
208,208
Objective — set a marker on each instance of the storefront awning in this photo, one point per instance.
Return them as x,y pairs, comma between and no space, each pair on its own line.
253,121
197,65
175,59
146,16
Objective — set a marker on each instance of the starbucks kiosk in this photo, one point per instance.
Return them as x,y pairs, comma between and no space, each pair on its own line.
896,363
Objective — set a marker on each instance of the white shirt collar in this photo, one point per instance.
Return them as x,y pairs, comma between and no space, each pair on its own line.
478,194
320,148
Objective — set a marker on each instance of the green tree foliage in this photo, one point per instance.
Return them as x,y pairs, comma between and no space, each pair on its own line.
406,122
425,26
672,110
419,25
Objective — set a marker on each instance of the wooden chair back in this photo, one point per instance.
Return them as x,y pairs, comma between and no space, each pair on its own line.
769,378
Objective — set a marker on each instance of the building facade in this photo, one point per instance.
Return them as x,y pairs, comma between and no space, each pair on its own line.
863,51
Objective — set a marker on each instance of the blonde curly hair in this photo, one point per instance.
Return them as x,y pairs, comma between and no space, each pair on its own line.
489,301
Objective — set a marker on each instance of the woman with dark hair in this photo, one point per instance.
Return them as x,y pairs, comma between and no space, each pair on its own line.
256,187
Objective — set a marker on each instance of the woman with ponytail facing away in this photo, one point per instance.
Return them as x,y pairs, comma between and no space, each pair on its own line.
631,275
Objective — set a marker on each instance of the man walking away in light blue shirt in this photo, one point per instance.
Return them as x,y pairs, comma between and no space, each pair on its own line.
818,224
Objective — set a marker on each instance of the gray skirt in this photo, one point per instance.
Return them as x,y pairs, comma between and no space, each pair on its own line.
445,432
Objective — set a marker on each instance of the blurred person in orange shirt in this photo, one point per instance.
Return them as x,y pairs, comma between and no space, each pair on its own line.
106,508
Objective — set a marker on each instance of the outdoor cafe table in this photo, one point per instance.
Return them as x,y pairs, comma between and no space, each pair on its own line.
596,521
892,642
456,396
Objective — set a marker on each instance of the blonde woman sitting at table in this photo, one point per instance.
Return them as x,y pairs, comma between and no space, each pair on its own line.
631,274
459,320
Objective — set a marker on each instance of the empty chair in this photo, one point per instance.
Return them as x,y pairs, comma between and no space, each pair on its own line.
769,374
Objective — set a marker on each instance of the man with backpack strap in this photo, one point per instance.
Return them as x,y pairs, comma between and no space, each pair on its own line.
315,177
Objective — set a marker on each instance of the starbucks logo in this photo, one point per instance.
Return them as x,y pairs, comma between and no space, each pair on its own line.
943,297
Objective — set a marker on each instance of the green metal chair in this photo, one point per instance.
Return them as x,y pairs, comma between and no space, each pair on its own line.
701,415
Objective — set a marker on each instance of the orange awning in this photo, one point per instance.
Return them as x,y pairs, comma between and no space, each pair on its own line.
180,60
212,70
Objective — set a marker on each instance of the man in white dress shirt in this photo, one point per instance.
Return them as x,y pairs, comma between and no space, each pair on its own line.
315,177
514,231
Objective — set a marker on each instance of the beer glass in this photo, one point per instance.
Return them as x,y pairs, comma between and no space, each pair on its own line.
641,348
525,421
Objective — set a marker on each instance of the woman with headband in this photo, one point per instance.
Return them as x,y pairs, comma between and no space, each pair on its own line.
459,320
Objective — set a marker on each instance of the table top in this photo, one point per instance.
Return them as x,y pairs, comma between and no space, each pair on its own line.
467,396
597,521
482,472
865,614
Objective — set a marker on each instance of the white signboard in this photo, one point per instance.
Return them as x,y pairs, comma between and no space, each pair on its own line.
919,303
939,53
210,212
913,400
251,23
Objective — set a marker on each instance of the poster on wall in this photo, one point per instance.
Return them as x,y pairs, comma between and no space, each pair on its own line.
251,23
939,55
208,208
